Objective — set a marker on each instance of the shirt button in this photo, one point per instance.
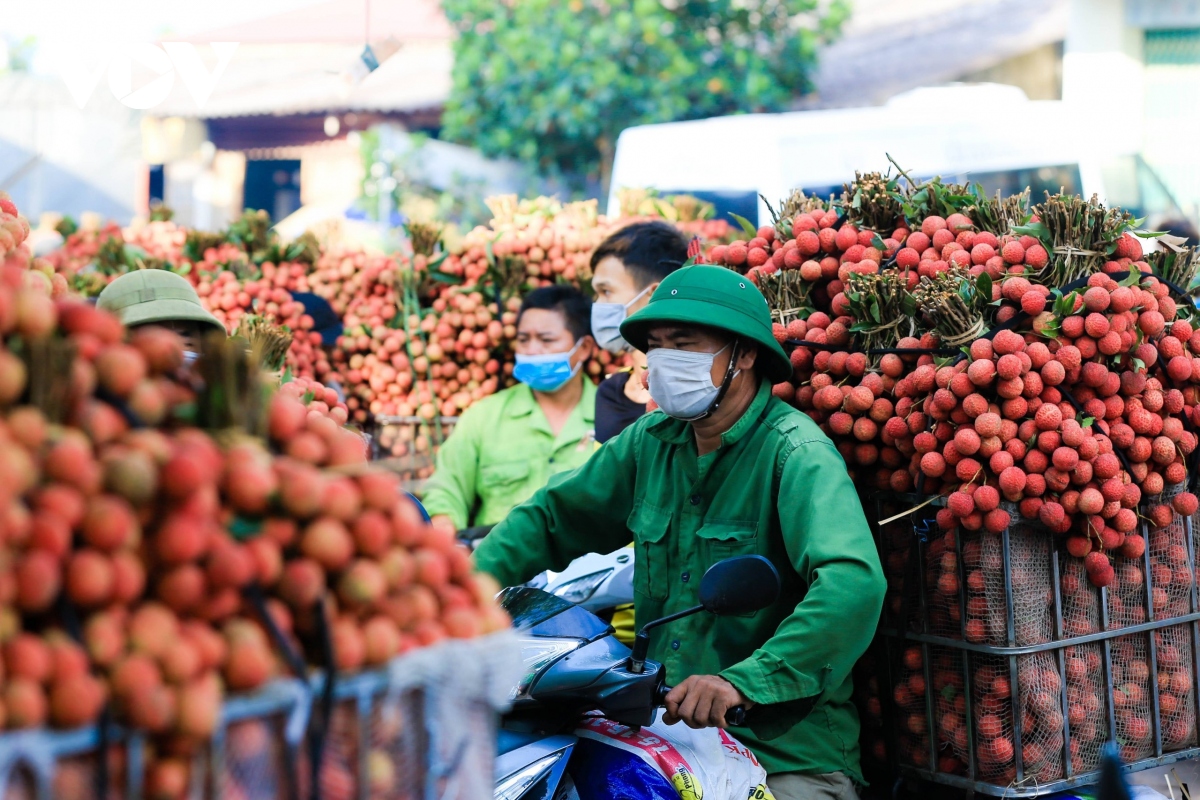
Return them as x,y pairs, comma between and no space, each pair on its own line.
675,645
694,499
685,577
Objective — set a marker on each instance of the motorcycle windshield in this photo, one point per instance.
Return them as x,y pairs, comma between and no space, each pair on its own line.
538,613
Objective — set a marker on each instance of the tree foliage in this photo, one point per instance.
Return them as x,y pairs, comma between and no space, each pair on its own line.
553,83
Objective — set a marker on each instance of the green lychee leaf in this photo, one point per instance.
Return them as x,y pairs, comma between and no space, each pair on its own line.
287,376
1133,278
1037,230
1138,364
747,226
242,528
984,285
877,243
1085,422
308,398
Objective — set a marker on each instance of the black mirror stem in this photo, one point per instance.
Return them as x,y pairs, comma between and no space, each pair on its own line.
641,646
641,643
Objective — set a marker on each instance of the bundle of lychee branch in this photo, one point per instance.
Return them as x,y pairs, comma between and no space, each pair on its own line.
1076,402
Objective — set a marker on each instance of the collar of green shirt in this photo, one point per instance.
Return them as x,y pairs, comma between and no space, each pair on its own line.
524,404
677,431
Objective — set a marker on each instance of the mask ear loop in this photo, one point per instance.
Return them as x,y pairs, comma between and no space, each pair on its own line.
729,373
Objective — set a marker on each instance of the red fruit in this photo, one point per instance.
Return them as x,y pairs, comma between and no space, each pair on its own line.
933,464
996,520
76,701
960,504
109,523
153,629
302,583
966,441
89,578
38,579
982,372
119,368
327,542
1048,417
1033,303
1036,256
249,665
230,565
184,474
180,538
986,498
1185,504
362,585
1012,481
182,588
1079,546
348,645
1006,342
24,703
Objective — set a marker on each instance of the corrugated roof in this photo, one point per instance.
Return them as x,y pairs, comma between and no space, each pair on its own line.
339,22
891,47
887,48
297,79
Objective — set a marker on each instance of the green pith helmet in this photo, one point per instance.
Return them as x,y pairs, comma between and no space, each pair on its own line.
714,297
154,295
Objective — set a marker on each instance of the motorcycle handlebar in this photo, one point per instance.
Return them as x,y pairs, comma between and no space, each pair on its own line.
734,717
473,534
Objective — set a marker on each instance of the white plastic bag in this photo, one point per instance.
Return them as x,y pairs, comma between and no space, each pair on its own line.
705,764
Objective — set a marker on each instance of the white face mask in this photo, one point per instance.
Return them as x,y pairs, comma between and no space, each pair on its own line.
681,382
189,358
606,323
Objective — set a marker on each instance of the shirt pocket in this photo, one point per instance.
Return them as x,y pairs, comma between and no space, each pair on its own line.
652,561
727,538
502,476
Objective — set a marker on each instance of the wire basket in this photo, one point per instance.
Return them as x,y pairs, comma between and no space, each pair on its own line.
423,727
1000,668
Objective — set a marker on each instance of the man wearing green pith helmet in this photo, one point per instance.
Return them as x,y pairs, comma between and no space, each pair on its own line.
723,468
159,297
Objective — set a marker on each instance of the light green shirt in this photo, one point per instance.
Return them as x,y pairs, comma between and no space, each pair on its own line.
502,451
776,487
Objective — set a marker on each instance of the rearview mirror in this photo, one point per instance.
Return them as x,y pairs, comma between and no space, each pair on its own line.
739,585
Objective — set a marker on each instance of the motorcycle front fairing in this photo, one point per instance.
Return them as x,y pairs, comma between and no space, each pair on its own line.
574,664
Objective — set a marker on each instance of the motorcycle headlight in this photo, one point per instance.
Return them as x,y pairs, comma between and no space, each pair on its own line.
511,787
580,589
537,653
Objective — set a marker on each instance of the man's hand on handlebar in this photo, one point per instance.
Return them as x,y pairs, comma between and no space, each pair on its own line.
702,701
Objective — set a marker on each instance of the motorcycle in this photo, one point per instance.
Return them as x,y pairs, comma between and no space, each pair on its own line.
574,665
597,581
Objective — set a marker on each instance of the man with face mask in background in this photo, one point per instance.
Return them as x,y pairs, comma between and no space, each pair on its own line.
626,269
505,447
724,468
162,298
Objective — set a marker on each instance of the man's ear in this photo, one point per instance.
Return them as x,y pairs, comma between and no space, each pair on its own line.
587,347
747,356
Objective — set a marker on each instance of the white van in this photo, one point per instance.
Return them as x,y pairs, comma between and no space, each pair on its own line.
986,133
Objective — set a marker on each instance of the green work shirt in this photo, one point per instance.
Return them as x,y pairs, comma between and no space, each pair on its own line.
502,451
777,487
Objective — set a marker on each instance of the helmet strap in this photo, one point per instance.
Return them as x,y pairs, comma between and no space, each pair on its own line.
724,389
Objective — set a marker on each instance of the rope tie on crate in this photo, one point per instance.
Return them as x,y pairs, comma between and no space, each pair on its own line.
912,326
974,333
